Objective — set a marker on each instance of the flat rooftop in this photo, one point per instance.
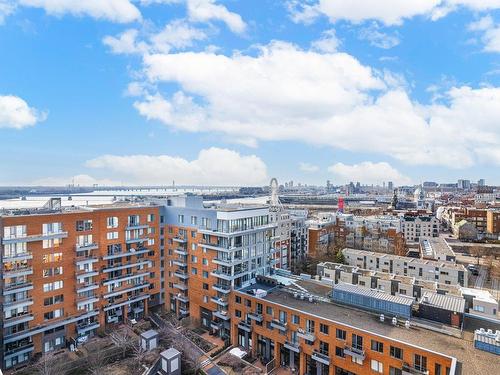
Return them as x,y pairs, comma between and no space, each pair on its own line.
470,360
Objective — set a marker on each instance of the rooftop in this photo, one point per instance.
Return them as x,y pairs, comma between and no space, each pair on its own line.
471,360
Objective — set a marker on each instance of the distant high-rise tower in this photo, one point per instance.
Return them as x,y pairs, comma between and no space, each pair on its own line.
390,186
481,182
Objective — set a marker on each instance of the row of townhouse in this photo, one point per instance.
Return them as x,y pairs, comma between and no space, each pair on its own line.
445,272
67,272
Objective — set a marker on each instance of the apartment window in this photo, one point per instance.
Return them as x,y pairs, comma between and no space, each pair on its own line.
193,246
205,286
194,271
112,235
295,319
283,316
194,259
248,303
112,222
310,325
15,231
395,371
133,220
237,313
54,257
83,225
194,220
53,300
269,310
150,218
323,328
53,314
437,369
205,299
377,366
205,261
52,286
54,271
420,362
339,352
340,334
237,299
377,346
357,341
205,274
396,352
180,219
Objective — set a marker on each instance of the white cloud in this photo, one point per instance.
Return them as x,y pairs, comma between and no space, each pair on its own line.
125,43
327,43
389,12
208,10
367,172
7,7
121,11
378,38
307,167
176,35
213,166
276,95
78,180
490,33
16,113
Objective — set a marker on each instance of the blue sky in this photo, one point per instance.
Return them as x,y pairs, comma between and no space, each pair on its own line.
235,92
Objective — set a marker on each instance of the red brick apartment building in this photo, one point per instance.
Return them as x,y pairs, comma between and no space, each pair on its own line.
68,272
298,327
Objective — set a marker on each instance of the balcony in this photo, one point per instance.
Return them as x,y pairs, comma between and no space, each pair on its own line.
355,352
275,323
227,276
80,274
222,314
137,251
120,266
215,325
245,326
408,369
184,311
86,259
180,263
220,301
222,288
309,336
180,286
321,357
179,239
293,346
85,287
181,297
35,237
21,349
83,328
17,287
181,275
86,246
181,251
27,301
255,316
237,231
132,226
125,277
18,319
18,257
17,272
122,290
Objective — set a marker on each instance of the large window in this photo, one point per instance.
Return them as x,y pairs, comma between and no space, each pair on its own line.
83,225
420,362
377,346
357,341
396,352
340,334
112,222
377,366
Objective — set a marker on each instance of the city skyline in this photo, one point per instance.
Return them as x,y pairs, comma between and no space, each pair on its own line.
212,92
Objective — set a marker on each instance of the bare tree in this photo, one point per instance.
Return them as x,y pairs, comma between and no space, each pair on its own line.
139,352
96,360
49,365
189,354
122,340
